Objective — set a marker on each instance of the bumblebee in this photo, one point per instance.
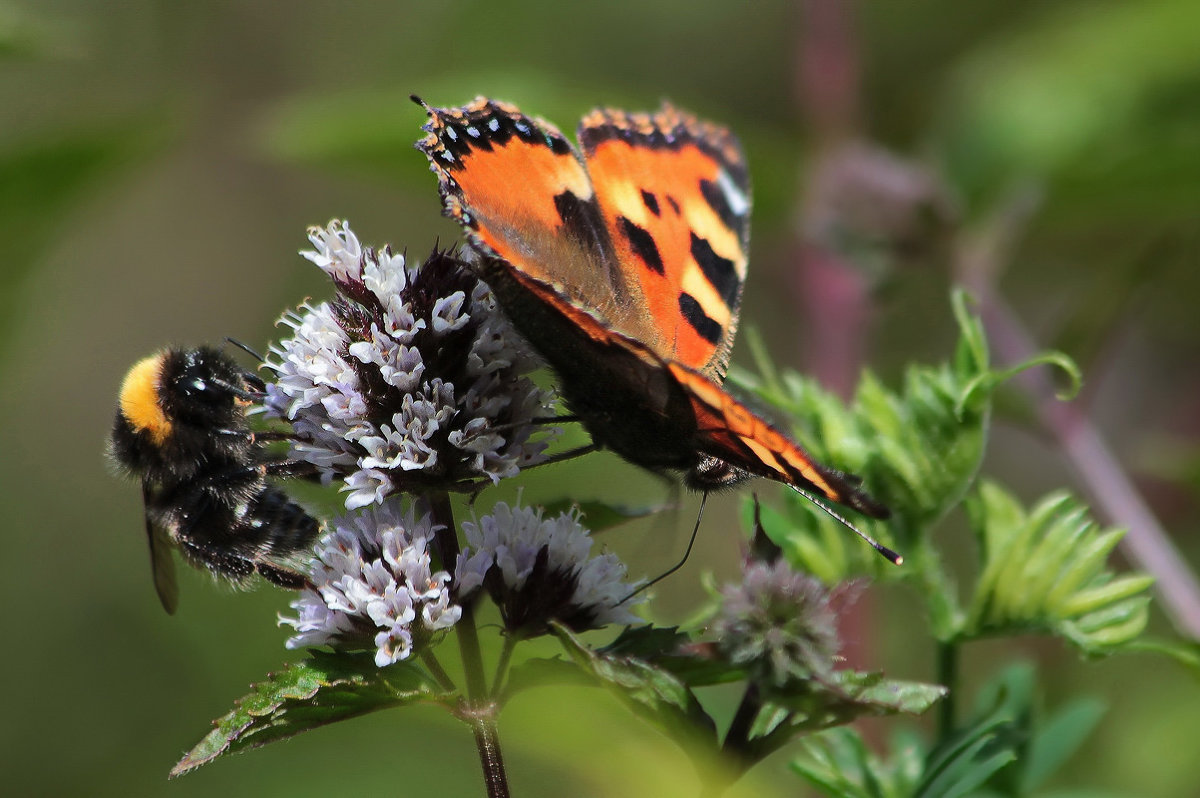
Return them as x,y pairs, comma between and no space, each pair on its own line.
181,428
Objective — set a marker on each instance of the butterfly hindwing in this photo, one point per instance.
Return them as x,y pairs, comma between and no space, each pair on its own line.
732,432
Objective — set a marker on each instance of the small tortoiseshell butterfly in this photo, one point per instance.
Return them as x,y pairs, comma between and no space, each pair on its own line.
623,265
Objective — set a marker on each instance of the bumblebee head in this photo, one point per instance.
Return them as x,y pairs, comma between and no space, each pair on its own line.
180,408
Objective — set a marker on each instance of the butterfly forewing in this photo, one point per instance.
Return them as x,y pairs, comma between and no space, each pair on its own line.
675,196
522,193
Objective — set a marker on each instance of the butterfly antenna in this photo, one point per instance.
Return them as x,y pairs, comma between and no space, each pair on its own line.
888,554
682,560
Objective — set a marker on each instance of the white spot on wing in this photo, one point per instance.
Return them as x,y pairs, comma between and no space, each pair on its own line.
739,203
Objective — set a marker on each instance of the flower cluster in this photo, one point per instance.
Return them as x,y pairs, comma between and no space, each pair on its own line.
374,585
410,378
779,623
539,570
411,381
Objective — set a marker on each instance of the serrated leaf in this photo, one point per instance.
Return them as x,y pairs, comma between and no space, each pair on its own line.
1087,560
650,691
873,693
648,642
674,651
321,690
1044,571
814,705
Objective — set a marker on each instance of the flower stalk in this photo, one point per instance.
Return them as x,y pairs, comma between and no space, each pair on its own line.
480,711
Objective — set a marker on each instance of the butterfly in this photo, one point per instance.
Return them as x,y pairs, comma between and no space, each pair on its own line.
622,262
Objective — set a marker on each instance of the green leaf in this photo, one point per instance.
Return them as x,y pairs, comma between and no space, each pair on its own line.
544,672
321,690
974,755
1044,571
838,762
984,384
696,664
853,694
814,705
1039,742
650,691
1057,739
973,766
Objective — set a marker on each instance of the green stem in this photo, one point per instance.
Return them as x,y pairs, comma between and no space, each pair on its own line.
947,675
737,739
438,672
510,642
479,712
737,745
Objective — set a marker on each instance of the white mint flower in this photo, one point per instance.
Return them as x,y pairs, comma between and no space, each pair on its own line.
409,379
539,570
374,586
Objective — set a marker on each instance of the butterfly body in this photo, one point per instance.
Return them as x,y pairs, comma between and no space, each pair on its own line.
622,263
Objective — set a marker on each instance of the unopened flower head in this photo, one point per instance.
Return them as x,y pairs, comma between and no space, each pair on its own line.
409,379
374,586
539,570
778,623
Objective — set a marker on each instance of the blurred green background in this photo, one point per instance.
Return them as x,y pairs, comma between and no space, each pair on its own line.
159,163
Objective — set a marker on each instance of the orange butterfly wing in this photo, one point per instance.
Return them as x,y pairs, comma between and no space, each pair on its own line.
731,431
624,267
675,196
521,191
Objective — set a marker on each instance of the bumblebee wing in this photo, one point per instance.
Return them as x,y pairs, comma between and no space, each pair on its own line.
162,563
